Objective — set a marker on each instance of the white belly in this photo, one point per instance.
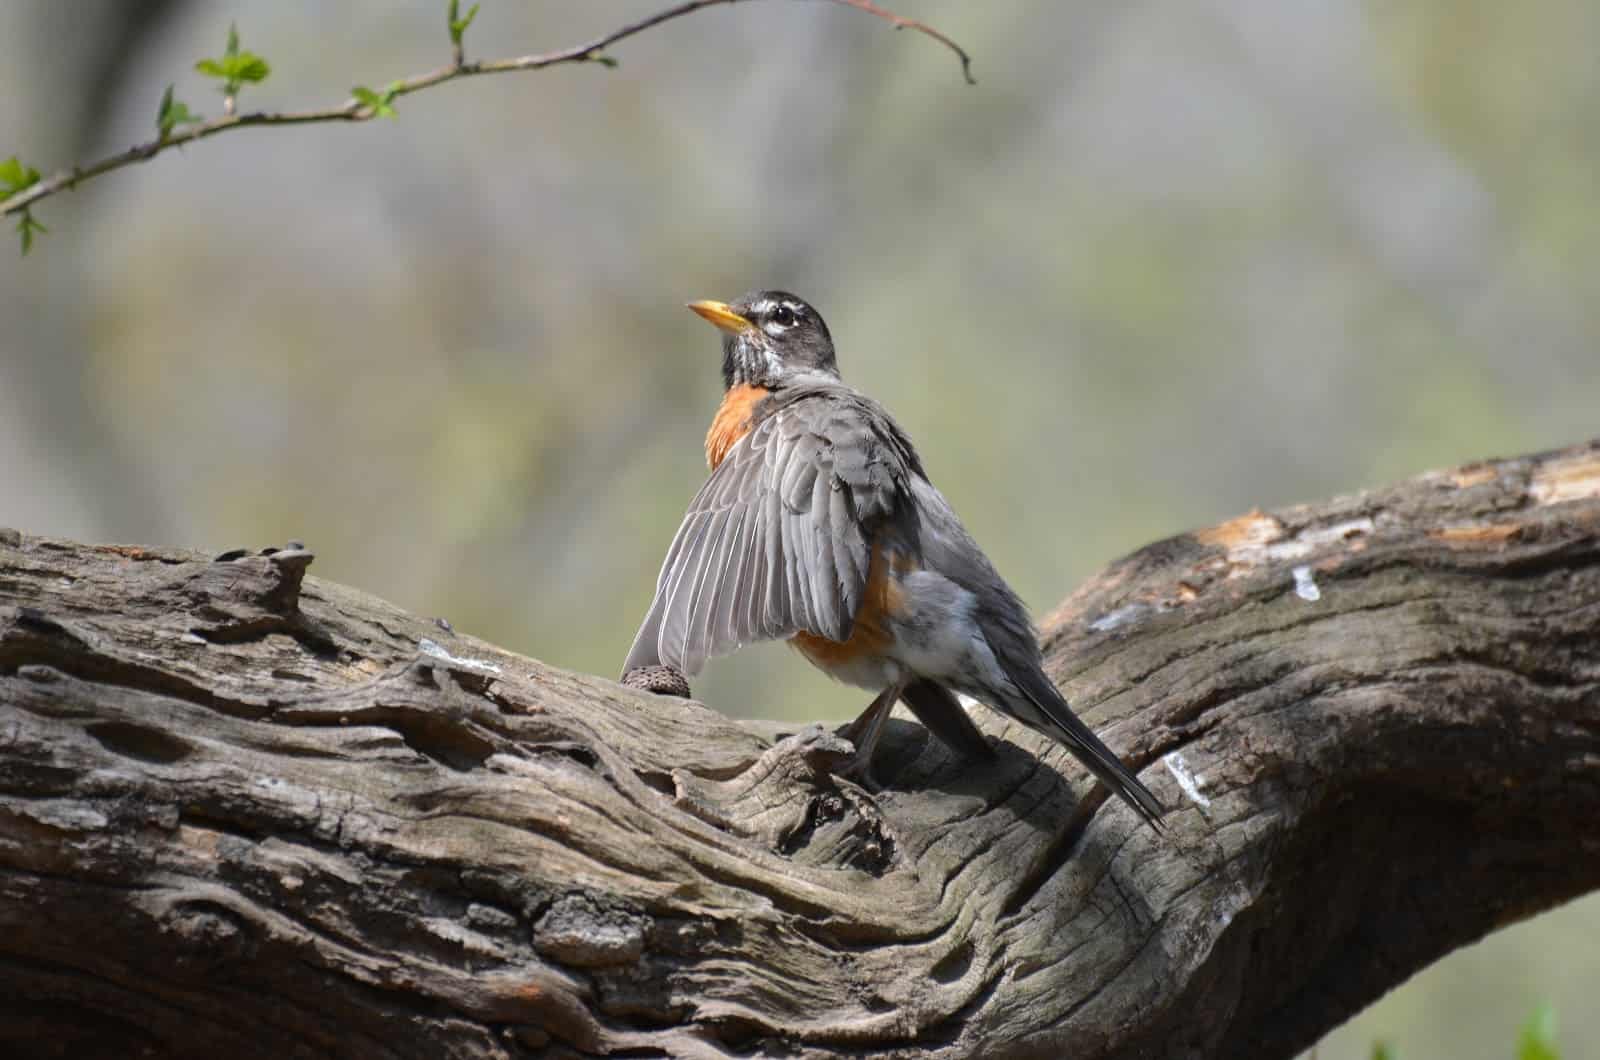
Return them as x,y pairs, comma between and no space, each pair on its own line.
936,635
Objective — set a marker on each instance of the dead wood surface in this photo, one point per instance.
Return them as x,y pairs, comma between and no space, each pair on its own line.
245,813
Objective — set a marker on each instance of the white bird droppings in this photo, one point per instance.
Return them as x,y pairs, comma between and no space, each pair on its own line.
1189,782
1305,587
1122,616
428,647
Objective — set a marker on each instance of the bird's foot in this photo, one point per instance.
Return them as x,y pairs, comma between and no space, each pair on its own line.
859,769
865,732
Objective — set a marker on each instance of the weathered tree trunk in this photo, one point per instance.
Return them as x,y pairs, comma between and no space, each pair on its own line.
244,814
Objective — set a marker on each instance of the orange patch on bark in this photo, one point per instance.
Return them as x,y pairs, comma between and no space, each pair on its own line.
732,421
128,551
1495,534
1250,529
1472,475
1573,478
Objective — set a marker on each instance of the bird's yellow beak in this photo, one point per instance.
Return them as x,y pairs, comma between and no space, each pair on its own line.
722,316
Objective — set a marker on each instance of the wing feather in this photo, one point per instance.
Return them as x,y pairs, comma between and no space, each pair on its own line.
719,627
779,539
675,612
695,618
777,606
821,562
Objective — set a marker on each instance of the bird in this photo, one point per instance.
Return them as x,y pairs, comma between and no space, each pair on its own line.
819,525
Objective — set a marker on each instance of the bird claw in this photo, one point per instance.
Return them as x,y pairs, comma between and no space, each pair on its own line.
859,769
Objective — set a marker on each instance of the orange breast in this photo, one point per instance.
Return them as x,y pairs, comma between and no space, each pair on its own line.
732,420
870,634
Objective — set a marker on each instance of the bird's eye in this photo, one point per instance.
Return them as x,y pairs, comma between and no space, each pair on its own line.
783,316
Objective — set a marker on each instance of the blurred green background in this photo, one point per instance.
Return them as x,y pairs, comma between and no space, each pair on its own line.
1165,262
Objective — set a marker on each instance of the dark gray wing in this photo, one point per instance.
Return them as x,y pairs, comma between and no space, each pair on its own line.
779,539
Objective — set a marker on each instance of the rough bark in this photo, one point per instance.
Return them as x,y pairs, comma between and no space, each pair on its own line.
245,813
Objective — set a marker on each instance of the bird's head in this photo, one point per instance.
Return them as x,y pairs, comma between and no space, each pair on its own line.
770,338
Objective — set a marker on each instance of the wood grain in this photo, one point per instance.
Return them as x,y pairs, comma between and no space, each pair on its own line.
246,812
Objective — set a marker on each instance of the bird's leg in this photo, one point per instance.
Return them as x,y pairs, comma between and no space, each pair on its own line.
866,730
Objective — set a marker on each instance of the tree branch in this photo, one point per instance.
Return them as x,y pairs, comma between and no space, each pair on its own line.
244,812
459,67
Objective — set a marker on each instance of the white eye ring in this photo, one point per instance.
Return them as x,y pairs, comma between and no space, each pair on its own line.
783,316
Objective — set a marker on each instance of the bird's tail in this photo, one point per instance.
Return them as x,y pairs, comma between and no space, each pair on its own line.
1044,709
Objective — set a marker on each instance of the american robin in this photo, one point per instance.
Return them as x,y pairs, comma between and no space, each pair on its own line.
818,524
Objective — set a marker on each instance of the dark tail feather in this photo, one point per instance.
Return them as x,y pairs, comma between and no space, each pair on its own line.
1085,745
943,715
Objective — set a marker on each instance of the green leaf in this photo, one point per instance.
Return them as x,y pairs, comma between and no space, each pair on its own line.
1538,1040
235,67
246,67
173,113
605,61
458,26
162,110
381,104
250,67
16,176
26,227
1384,1051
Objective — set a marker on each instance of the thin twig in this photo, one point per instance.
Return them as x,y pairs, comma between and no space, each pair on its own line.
900,22
354,110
